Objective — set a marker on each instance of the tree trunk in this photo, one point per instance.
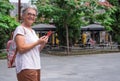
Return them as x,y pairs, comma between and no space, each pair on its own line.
67,38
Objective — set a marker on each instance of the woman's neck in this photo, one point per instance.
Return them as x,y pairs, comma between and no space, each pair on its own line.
26,25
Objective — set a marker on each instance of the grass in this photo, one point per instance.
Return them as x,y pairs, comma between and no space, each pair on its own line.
3,55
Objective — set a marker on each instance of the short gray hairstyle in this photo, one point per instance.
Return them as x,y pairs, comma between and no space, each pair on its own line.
29,6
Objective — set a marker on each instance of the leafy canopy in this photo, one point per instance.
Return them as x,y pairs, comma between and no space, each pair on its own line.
7,23
73,14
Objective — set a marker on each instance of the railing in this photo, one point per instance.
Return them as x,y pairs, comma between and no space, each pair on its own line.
81,46
77,49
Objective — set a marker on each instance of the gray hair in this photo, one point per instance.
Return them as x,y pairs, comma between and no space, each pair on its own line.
29,6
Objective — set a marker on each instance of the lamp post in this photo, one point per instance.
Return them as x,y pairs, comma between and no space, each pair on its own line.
19,10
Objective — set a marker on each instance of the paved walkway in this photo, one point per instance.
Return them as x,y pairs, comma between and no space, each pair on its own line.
96,67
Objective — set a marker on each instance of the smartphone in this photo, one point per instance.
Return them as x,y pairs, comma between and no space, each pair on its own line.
49,33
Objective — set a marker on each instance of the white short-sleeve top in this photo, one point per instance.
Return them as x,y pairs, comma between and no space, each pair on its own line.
31,58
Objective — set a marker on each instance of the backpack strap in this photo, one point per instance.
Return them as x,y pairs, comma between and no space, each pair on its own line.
13,59
14,56
24,30
8,45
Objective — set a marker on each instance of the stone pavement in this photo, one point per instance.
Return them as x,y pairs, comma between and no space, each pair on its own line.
94,67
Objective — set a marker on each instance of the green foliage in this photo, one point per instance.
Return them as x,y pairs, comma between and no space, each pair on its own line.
5,6
96,13
74,14
116,24
7,23
3,55
64,13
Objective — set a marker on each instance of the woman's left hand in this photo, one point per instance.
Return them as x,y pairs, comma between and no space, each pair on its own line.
43,39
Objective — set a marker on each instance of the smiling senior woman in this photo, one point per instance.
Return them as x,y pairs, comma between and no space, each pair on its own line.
28,47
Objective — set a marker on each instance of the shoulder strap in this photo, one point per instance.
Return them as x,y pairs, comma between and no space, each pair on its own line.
24,30
9,43
14,56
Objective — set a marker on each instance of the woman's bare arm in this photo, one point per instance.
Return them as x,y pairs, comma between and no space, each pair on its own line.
23,47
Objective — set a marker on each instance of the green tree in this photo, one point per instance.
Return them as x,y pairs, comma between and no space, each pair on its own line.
116,24
70,15
97,12
7,23
67,16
